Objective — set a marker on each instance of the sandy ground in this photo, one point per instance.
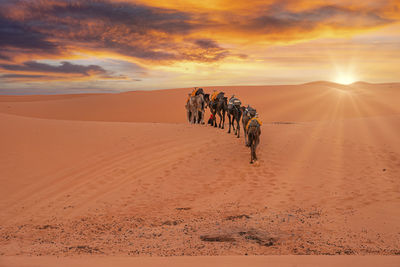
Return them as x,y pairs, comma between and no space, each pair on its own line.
220,261
125,175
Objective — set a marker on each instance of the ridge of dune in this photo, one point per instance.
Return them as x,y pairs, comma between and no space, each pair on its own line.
308,102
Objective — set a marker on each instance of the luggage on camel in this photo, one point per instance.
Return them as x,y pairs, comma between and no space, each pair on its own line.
217,95
233,101
253,122
197,91
194,92
214,95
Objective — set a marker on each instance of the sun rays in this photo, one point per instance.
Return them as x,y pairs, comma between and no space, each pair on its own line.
345,78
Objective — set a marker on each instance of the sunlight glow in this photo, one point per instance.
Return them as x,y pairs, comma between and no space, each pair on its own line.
345,78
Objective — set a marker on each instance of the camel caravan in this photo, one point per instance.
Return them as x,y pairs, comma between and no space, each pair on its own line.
219,104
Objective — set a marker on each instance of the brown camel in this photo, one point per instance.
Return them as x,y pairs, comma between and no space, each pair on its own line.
195,108
248,113
219,106
253,136
234,114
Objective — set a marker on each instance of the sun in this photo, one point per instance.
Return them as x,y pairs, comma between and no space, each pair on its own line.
345,74
345,78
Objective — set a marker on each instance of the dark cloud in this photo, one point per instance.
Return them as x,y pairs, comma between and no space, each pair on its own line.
65,67
4,57
138,18
277,19
138,31
204,50
22,76
18,35
134,30
206,43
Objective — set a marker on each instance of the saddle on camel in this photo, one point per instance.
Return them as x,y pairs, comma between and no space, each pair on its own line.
197,91
234,102
255,121
217,95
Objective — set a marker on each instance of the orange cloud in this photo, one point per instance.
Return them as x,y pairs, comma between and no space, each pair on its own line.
163,33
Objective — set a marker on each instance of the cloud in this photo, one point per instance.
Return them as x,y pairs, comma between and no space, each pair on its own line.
22,76
14,34
64,67
277,23
206,43
4,57
143,32
161,33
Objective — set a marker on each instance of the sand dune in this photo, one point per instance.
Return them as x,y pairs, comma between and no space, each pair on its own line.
308,102
124,174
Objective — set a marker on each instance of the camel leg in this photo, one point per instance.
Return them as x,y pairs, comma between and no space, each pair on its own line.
257,141
254,151
223,119
198,117
220,118
193,119
229,117
251,153
195,115
238,128
245,134
235,119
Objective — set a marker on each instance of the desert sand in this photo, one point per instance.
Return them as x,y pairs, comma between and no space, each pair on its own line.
125,175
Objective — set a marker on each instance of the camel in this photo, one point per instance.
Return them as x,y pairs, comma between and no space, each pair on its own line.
219,106
253,132
248,113
234,114
195,108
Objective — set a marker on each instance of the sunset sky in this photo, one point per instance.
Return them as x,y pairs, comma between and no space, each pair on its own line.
56,46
